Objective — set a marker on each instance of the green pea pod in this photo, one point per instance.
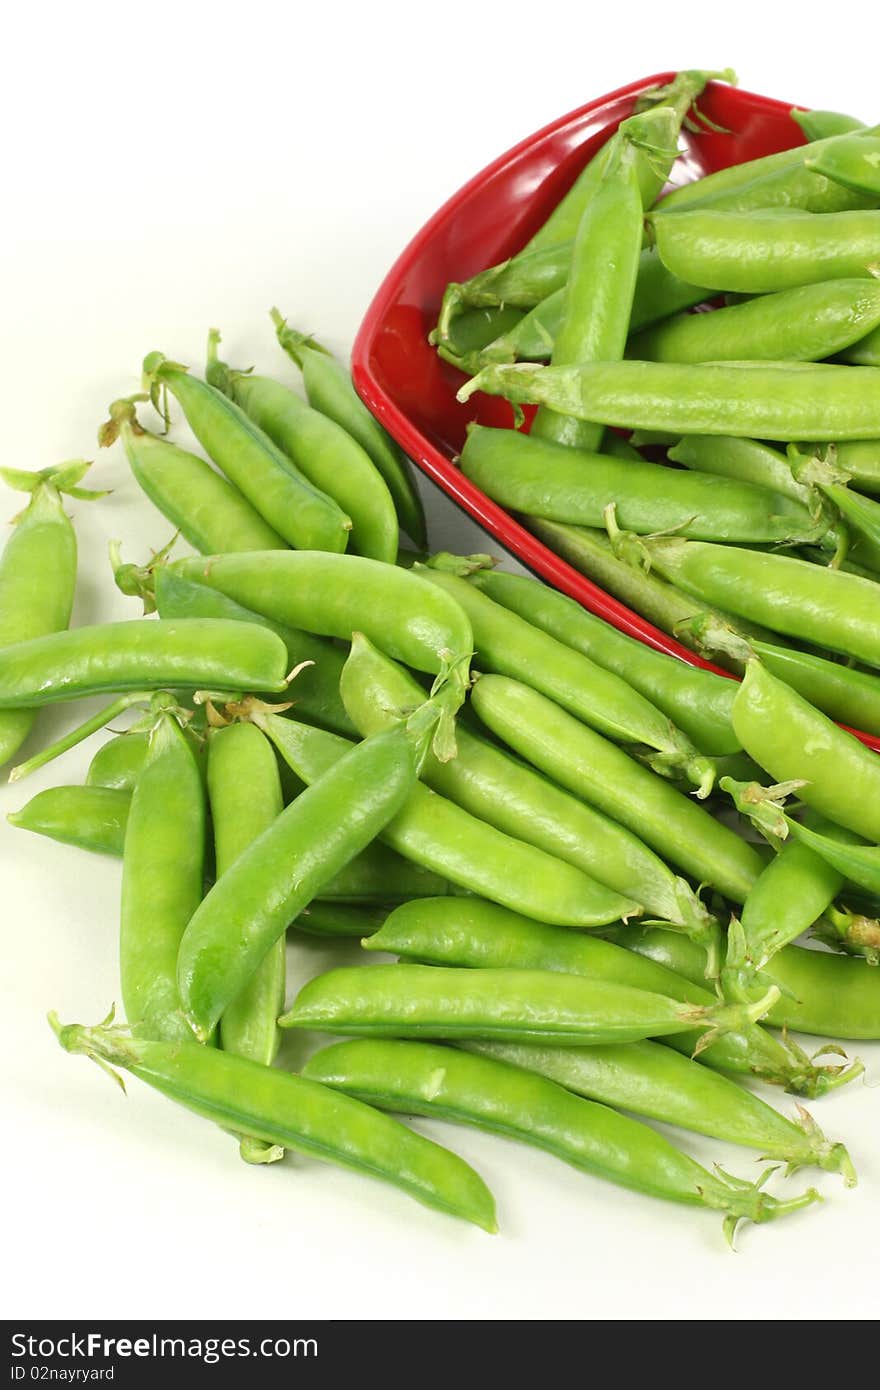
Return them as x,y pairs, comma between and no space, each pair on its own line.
443,838
851,697
530,474
269,884
377,692
329,389
861,458
276,1107
377,874
776,249
321,450
698,701
723,183
508,645
341,920
476,329
119,762
141,655
748,460
506,1100
830,996
419,1001
824,607
669,608
820,125
37,573
479,935
316,692
92,818
162,876
679,829
865,353
335,595
300,513
202,505
244,794
787,401
660,1084
860,514
602,275
853,163
804,324
503,792
859,863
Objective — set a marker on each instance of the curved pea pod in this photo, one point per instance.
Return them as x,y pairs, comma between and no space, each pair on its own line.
804,324
329,389
421,1001
276,1107
865,353
336,595
141,655
301,514
507,1100
341,919
37,572
271,882
476,329
776,249
379,875
443,838
120,761
672,823
814,604
316,691
508,645
330,458
526,473
698,701
660,1084
377,692
202,505
479,935
92,818
787,401
853,163
830,996
162,878
820,125
860,459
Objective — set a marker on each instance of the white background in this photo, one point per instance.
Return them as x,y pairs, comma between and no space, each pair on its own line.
168,167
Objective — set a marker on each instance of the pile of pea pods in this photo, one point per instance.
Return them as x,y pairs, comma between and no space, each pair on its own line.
592,861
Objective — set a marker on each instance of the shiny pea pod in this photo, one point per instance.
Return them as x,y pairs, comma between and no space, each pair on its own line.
679,829
861,458
316,690
276,1107
518,1104
660,1084
141,655
162,876
830,996
202,505
804,324
602,275
269,884
503,792
420,1001
480,935
748,460
787,401
37,573
321,450
819,125
119,762
441,837
853,163
244,794
824,607
301,514
760,252
530,474
508,645
698,701
865,353
329,389
92,818
345,920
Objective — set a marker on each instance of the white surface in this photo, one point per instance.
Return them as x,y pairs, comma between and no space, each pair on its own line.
174,166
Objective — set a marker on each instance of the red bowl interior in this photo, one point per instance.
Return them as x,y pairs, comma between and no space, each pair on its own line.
412,392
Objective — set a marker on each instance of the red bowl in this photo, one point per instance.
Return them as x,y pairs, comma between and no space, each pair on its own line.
412,392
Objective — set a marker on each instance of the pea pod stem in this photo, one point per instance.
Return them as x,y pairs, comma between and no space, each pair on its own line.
83,731
277,1107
